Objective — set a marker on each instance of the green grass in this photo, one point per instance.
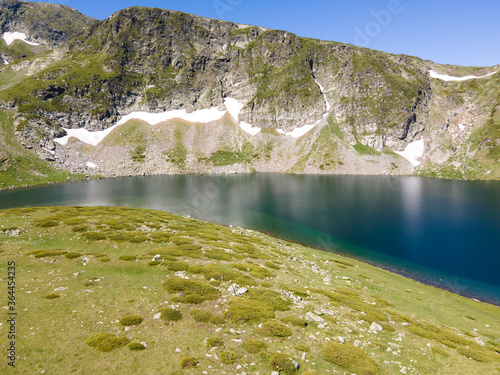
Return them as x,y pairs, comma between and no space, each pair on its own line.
436,329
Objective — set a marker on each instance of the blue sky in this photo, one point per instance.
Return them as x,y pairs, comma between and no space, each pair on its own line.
462,32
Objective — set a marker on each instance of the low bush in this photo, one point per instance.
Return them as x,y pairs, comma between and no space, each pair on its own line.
272,265
273,328
136,346
295,320
282,363
94,236
310,372
254,346
72,255
221,272
213,342
176,266
106,342
439,350
190,291
302,348
104,259
131,320
154,262
228,357
127,258
350,358
271,298
170,315
188,362
52,296
46,222
247,310
479,355
200,316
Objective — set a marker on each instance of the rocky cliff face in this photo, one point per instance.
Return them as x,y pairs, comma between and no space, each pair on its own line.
364,103
47,25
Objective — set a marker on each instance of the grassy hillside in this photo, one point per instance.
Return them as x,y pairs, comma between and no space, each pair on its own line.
19,166
90,296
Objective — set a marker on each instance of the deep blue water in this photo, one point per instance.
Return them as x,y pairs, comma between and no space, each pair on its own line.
442,232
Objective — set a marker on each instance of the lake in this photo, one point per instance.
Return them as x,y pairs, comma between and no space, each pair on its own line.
441,232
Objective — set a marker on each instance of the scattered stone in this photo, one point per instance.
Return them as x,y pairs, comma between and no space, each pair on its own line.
357,343
157,316
315,317
178,350
157,257
341,339
295,364
241,291
375,327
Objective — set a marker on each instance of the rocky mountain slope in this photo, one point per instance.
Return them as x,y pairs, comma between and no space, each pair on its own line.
286,103
43,25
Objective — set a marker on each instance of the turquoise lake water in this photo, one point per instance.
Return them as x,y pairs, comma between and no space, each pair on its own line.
441,232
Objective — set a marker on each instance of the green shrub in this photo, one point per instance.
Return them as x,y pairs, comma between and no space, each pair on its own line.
479,355
191,291
200,316
213,342
302,348
52,296
310,372
131,320
127,257
440,335
218,254
94,236
255,270
154,262
273,328
270,297
282,363
176,266
170,315
47,253
106,342
220,272
294,320
439,350
272,265
104,259
46,223
136,346
72,255
247,310
228,358
350,358
217,319
254,346
188,362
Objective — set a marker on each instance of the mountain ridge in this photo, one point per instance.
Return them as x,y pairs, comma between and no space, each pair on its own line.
374,103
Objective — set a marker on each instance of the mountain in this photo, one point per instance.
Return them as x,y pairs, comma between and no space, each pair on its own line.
291,104
36,27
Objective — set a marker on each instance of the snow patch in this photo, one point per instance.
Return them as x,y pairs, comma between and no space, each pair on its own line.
93,138
234,108
444,77
328,106
91,165
249,128
10,37
413,152
299,132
